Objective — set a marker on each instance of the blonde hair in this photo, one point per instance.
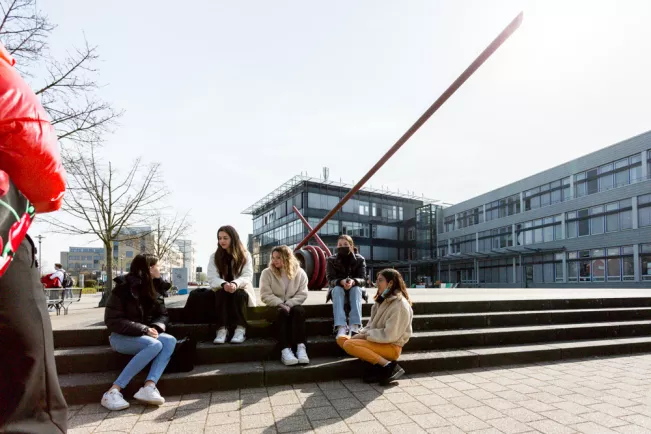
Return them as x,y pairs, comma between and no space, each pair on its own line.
290,263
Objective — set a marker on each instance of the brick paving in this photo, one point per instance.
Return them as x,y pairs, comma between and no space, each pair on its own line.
605,395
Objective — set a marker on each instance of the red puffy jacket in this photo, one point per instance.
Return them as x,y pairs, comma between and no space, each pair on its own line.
29,152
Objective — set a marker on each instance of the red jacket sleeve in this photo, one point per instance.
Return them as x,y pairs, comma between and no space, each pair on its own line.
29,151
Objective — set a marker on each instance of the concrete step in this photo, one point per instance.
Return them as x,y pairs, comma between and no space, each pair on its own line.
89,387
103,358
428,308
323,325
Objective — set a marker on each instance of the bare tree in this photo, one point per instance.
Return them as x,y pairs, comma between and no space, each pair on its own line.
167,230
68,92
106,203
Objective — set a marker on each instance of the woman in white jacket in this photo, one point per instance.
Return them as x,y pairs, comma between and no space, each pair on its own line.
284,285
230,274
380,342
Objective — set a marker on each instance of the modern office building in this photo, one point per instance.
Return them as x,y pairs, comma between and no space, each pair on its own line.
388,228
84,259
585,222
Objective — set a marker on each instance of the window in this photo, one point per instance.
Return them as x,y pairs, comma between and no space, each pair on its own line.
644,210
628,268
614,269
584,224
645,259
597,225
612,222
584,271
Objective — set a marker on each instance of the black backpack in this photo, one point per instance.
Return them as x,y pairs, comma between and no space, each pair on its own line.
200,307
67,280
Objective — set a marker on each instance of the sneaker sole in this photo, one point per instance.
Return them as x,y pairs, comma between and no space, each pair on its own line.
303,362
290,362
156,403
117,408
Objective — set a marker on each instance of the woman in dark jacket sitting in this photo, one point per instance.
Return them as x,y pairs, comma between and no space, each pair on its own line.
346,274
137,318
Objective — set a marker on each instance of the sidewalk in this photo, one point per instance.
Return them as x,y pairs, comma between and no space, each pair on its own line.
86,314
609,395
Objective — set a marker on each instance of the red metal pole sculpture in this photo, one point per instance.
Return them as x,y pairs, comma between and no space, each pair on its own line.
483,56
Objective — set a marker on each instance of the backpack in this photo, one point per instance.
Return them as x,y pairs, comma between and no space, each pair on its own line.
67,280
200,307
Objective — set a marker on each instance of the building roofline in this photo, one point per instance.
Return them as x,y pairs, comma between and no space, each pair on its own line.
299,179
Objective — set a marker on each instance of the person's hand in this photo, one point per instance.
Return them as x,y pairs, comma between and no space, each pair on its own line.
284,307
358,336
152,332
230,287
348,284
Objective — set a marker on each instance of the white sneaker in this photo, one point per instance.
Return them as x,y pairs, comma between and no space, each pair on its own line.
221,336
342,331
301,354
239,336
354,328
288,358
113,400
149,395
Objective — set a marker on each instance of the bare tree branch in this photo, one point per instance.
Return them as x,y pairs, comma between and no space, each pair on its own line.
106,203
68,91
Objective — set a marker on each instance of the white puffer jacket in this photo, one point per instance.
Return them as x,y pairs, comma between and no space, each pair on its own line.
272,289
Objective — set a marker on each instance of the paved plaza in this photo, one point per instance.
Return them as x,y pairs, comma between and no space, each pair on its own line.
607,395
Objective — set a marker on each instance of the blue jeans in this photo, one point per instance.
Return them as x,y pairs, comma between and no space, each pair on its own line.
145,349
338,299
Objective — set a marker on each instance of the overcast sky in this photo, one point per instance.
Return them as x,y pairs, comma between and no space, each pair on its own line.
234,98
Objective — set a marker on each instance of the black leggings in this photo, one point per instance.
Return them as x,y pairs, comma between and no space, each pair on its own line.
231,308
291,326
30,397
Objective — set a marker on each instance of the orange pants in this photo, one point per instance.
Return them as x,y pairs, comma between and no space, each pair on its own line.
368,351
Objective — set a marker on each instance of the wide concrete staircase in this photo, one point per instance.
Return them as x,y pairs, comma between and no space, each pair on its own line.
447,336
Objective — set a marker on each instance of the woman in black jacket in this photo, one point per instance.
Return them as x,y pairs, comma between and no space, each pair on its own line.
346,274
137,318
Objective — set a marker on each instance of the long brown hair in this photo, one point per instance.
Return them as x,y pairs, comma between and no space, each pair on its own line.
140,268
395,281
290,263
237,253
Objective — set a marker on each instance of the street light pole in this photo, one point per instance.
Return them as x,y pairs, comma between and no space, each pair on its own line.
40,266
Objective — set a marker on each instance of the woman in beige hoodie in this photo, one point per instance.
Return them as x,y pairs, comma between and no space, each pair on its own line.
284,285
380,342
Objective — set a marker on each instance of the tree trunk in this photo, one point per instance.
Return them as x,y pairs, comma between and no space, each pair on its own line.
108,285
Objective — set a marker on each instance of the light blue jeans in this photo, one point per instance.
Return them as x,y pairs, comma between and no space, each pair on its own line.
338,299
145,349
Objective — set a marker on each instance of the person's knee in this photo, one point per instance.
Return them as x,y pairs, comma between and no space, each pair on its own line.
348,344
241,295
157,345
355,293
342,340
167,340
297,310
338,293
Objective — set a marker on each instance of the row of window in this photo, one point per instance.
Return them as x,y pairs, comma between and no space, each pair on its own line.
606,177
355,206
285,234
613,264
612,175
607,218
278,212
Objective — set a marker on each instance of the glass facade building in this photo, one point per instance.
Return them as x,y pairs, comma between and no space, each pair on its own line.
586,222
389,229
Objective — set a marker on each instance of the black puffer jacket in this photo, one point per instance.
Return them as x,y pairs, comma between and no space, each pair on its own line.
354,266
129,314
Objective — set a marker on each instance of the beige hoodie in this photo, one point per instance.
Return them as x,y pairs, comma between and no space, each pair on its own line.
273,293
390,322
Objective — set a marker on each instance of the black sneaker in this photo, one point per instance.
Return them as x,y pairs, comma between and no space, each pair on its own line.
390,372
371,374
